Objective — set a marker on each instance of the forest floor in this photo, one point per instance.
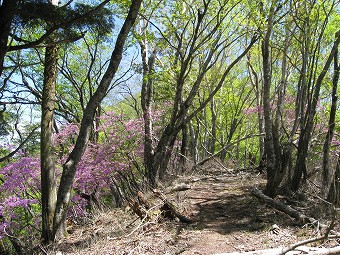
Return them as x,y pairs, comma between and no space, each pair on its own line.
227,218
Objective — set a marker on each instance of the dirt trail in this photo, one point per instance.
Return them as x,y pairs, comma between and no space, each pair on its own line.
226,219
229,219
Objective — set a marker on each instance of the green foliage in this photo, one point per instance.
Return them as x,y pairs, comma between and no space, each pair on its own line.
4,123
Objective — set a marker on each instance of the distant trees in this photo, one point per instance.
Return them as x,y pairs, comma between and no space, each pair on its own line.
286,29
195,46
312,23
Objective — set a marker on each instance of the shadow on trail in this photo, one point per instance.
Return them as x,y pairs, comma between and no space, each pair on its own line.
228,214
226,207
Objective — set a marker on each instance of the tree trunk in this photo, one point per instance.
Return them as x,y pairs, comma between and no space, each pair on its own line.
7,11
259,99
183,155
69,168
306,132
163,153
213,127
48,184
334,190
282,151
270,189
327,173
194,141
146,103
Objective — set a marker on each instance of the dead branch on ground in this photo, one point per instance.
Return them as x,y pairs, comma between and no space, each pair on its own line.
299,250
303,219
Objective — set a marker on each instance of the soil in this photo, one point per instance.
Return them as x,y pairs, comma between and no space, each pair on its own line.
226,219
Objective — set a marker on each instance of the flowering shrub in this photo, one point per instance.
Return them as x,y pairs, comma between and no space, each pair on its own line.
120,143
20,195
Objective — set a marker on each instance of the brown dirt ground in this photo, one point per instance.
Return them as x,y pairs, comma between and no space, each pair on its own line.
226,219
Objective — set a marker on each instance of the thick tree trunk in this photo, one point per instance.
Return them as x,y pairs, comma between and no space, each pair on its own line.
163,153
69,168
302,218
48,184
7,12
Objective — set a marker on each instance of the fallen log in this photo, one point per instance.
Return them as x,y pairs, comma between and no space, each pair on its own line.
299,250
302,218
312,240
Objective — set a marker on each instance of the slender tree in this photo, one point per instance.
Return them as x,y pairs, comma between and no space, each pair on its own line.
306,131
271,158
327,172
69,168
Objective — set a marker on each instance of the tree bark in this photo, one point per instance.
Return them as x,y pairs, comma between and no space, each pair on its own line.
254,79
69,168
184,147
7,12
306,132
327,173
270,189
146,103
334,190
48,184
193,141
213,127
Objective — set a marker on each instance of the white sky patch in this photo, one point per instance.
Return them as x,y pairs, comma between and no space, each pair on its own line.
54,2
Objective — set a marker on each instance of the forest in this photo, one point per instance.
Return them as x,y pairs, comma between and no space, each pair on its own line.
106,104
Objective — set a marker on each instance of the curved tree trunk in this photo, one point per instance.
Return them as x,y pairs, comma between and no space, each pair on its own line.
69,168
